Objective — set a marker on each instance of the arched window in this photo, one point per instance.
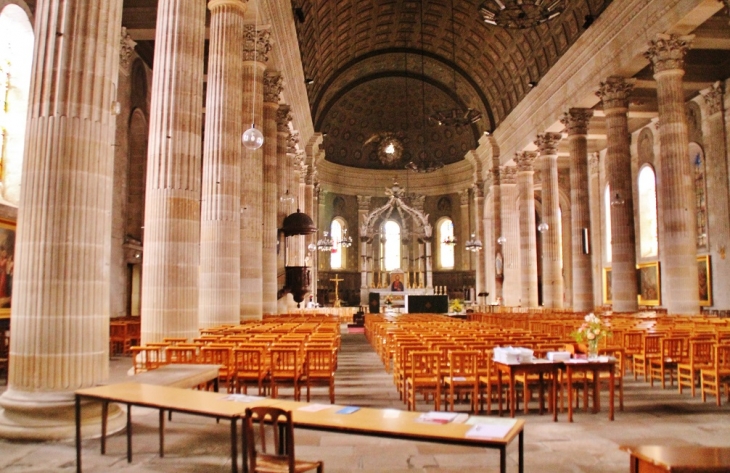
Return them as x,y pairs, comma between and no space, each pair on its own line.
391,248
16,55
446,251
649,240
607,226
337,232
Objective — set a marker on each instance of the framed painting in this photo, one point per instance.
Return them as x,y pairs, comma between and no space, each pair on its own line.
704,275
648,279
7,255
607,294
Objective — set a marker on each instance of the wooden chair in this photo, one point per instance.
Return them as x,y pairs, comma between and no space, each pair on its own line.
145,358
319,368
633,344
286,368
119,343
267,424
222,356
651,349
250,367
713,379
701,354
672,353
424,378
463,378
184,355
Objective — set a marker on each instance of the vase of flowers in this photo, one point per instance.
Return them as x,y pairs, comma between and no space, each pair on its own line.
591,332
388,300
456,306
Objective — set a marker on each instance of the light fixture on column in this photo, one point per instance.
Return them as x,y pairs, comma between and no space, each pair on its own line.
252,138
520,14
617,200
473,244
543,227
501,240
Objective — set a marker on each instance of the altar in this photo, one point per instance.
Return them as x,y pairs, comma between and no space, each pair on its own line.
407,301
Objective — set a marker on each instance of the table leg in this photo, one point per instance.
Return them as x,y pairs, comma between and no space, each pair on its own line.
512,394
503,459
569,375
596,392
611,389
104,414
499,391
234,445
554,393
161,432
542,393
244,446
129,433
521,451
77,410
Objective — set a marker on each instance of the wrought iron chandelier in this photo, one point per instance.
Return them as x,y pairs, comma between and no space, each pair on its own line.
473,244
520,14
326,243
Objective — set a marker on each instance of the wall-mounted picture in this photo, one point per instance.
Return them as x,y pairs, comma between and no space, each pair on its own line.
7,258
607,294
649,283
704,275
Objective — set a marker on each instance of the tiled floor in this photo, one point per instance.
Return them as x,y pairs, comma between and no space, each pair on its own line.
590,444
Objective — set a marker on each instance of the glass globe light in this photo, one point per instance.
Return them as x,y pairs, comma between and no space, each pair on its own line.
252,138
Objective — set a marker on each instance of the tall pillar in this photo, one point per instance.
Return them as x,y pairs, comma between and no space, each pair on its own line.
681,287
255,55
512,284
172,209
497,259
576,122
464,230
60,339
287,201
479,233
594,189
552,277
614,94
528,239
272,88
363,208
220,250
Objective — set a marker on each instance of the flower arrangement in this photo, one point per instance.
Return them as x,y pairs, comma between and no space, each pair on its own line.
591,332
388,300
456,306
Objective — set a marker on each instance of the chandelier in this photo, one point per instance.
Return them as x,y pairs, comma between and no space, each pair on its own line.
473,244
450,240
325,244
520,14
346,241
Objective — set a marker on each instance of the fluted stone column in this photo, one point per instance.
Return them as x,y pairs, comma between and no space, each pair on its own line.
479,233
679,224
273,85
717,182
496,232
512,284
464,230
220,249
363,208
594,189
255,53
172,210
528,239
552,278
60,322
287,200
614,94
576,122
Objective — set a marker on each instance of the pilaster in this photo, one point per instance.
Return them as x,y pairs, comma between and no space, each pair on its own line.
528,243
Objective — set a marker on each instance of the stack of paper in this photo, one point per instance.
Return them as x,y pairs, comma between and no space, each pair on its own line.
435,417
489,427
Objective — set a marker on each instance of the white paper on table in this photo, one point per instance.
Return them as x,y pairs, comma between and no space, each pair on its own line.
488,431
241,398
315,407
435,417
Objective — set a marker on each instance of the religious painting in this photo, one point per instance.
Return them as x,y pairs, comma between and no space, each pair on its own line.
607,294
704,275
7,258
649,283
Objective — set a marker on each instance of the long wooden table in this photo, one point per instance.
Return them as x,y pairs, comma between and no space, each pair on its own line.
678,459
391,423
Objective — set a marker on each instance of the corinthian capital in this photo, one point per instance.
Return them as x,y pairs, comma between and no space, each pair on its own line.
615,93
283,117
256,44
667,52
713,98
525,160
273,85
293,142
126,51
508,175
547,143
576,120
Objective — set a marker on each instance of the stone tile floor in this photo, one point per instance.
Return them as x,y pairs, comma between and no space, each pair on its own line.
590,444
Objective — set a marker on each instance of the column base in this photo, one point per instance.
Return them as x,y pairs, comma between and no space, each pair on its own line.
51,416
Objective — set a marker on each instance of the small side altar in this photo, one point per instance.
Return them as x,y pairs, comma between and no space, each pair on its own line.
408,301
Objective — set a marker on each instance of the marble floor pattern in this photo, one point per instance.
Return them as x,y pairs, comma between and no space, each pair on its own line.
652,416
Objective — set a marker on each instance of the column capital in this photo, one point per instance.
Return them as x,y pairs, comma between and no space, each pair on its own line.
525,160
256,45
547,143
464,197
576,120
667,52
363,203
283,117
713,97
614,94
594,162
478,190
126,51
241,4
494,177
292,142
508,175
273,85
